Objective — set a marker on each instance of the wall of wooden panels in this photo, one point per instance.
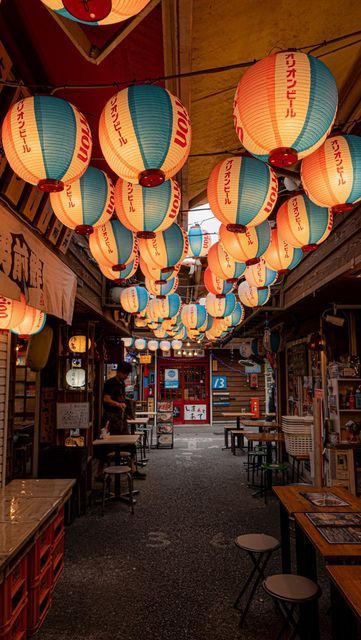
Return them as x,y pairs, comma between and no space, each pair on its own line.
236,396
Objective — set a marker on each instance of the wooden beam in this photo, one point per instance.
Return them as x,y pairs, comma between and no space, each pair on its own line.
349,107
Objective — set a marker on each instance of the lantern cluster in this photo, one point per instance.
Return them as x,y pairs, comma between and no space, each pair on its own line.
20,318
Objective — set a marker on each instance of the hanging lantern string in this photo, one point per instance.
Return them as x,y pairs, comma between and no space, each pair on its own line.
310,49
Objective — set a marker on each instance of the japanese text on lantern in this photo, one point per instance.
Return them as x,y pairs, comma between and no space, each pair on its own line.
291,84
19,262
227,182
339,161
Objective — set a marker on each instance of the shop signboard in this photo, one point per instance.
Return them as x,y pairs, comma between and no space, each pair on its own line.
145,359
195,412
171,379
72,415
219,382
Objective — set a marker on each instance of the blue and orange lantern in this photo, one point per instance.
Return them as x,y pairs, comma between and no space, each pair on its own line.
161,276
169,306
32,323
166,250
303,224
96,12
12,312
216,285
331,176
113,245
146,211
85,203
199,242
161,290
260,275
194,316
145,134
134,299
220,307
237,316
280,255
47,142
223,264
246,247
242,192
284,107
251,296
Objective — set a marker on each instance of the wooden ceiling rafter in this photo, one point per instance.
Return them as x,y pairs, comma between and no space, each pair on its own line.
83,44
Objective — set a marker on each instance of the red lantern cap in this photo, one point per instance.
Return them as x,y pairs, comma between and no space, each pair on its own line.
50,186
236,228
342,208
309,247
147,235
252,261
84,229
283,157
118,267
151,178
88,10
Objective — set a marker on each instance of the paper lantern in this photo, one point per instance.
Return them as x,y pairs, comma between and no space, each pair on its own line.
113,245
75,378
210,337
237,316
47,141
246,247
223,265
220,307
152,345
284,107
126,274
97,12
177,344
161,290
166,249
168,307
160,333
32,323
12,312
257,347
193,316
164,345
242,192
154,325
280,256
304,224
331,175
193,334
161,276
169,325
199,242
86,203
252,297
145,134
78,344
260,275
181,334
216,285
134,299
272,341
140,323
145,211
128,342
245,348
140,344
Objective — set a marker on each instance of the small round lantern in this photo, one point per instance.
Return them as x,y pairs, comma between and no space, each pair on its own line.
113,245
164,345
166,249
331,175
161,276
154,325
78,344
199,242
223,265
304,224
272,341
280,255
134,299
140,344
237,316
181,334
242,192
128,342
75,378
12,312
32,323
246,247
140,323
216,285
252,297
161,290
284,107
260,275
127,273
145,211
257,347
160,333
86,203
169,306
96,12
193,316
220,307
152,345
177,344
145,134
47,141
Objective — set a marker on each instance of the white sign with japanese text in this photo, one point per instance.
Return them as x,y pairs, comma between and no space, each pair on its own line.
72,415
28,267
195,412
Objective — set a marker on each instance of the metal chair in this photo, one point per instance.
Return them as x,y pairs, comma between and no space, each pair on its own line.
121,470
288,592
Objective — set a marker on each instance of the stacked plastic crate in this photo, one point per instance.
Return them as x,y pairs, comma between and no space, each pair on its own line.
13,601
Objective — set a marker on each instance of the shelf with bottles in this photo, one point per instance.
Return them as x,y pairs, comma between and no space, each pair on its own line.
349,394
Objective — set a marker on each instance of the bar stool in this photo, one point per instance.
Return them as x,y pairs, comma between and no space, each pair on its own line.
259,547
297,461
267,471
236,434
289,591
114,471
255,457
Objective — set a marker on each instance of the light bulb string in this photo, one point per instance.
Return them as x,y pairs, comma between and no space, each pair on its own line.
44,88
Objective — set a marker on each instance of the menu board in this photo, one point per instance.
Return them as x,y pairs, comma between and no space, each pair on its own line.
165,425
338,528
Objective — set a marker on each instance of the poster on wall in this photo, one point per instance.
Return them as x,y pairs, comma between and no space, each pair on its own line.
171,379
195,412
72,415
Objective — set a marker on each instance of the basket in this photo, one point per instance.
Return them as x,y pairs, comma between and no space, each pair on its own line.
298,444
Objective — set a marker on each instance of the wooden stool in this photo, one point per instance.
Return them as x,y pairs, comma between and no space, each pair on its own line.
236,434
259,548
296,462
114,471
290,591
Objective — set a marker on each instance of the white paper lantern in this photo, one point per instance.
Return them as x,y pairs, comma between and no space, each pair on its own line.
165,345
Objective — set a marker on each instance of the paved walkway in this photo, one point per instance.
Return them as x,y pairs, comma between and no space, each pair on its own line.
172,571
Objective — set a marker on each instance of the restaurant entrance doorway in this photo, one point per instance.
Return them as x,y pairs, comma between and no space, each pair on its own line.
186,384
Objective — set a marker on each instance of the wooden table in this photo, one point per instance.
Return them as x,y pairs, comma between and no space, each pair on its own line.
261,424
48,488
133,422
238,416
116,443
291,502
268,438
149,414
345,584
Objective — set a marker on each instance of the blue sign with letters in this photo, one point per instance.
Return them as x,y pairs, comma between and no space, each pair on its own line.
219,382
171,379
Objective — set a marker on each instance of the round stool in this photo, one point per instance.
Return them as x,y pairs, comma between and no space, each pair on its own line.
290,591
259,547
118,471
